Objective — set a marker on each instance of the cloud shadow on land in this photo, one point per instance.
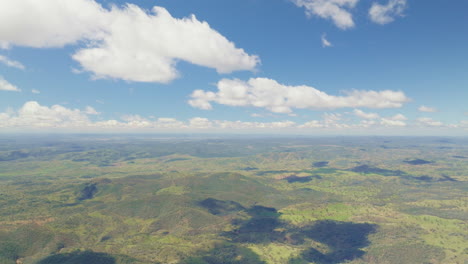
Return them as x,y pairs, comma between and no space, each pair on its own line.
88,257
344,240
79,257
259,228
219,207
225,253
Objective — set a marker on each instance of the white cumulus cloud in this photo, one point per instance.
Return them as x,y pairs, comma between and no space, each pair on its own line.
11,63
49,23
367,123
336,10
325,42
389,122
384,14
365,115
32,114
427,109
329,120
398,117
312,124
199,122
397,120
253,125
6,86
91,111
279,98
169,123
426,121
126,43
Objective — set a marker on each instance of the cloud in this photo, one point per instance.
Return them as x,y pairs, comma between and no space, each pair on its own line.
126,43
329,120
365,115
384,14
32,114
395,121
145,47
91,111
11,63
335,10
367,123
33,117
398,117
138,124
50,23
169,123
312,124
279,98
389,122
132,118
6,86
426,121
199,122
254,125
325,42
34,91
427,109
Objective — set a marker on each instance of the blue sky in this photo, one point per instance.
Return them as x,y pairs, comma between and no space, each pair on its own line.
237,66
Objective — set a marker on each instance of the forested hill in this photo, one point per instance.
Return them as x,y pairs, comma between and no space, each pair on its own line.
146,199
